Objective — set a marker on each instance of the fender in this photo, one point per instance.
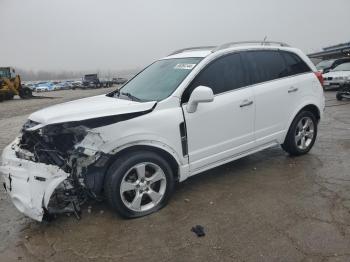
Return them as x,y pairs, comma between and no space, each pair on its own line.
183,163
95,175
151,143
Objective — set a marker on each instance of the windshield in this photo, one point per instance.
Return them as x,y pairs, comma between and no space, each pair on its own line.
5,72
324,64
342,67
160,79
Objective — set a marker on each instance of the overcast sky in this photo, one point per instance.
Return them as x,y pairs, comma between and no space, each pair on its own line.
116,35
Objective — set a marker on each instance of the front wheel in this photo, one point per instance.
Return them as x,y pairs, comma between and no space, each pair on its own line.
139,183
301,135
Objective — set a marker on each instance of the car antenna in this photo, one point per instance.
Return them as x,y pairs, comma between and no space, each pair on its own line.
263,42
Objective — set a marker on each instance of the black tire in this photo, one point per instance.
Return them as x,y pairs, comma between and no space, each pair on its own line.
290,145
25,93
119,169
339,96
9,96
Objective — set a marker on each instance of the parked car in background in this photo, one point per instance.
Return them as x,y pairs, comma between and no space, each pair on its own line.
28,85
337,77
326,65
60,86
55,85
44,86
76,84
32,85
191,111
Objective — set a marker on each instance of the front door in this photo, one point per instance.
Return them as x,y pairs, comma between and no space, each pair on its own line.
224,128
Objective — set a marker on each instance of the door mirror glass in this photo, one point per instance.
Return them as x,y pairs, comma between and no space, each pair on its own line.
201,94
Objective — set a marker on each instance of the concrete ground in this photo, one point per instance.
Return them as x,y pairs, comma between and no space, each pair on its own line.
265,207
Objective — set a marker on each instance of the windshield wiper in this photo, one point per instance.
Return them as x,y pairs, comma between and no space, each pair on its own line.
133,98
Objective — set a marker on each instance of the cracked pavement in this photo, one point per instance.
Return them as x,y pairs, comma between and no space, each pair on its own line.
264,207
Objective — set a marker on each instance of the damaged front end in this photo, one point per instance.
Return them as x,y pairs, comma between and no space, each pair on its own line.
48,171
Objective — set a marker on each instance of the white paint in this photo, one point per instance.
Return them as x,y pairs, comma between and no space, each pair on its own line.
86,108
185,66
219,129
27,193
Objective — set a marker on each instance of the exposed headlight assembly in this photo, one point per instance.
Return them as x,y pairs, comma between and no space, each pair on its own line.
30,124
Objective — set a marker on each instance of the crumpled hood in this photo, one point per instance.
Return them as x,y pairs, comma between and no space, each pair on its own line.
337,74
88,108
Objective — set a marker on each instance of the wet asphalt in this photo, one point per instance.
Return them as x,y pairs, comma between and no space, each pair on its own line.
265,207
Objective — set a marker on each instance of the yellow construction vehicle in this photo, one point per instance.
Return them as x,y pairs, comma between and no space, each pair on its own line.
10,85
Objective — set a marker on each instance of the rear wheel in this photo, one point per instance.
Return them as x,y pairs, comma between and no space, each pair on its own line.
139,183
302,134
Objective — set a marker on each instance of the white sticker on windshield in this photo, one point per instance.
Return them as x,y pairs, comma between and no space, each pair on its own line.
185,66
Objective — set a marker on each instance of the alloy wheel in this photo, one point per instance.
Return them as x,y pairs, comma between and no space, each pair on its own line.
304,133
143,186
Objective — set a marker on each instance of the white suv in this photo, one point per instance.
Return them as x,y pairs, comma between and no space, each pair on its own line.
193,110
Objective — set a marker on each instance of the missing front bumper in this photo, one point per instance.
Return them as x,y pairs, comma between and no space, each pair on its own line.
30,185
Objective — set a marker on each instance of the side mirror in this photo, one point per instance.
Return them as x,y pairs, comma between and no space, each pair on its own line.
201,94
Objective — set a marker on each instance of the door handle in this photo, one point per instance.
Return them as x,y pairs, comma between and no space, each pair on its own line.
292,90
246,103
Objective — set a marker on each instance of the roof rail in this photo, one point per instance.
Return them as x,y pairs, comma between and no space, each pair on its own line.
192,49
263,43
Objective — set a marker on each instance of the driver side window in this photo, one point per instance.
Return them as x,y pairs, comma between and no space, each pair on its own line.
222,75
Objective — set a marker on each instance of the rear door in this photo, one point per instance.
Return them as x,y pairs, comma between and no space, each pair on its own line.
302,81
272,96
276,91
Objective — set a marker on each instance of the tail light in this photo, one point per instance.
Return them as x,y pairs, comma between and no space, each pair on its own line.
319,77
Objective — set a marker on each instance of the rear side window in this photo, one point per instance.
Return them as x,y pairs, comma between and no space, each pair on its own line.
265,65
295,64
221,75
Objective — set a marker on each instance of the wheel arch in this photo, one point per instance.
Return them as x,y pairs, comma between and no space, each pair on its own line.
312,107
95,178
169,157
